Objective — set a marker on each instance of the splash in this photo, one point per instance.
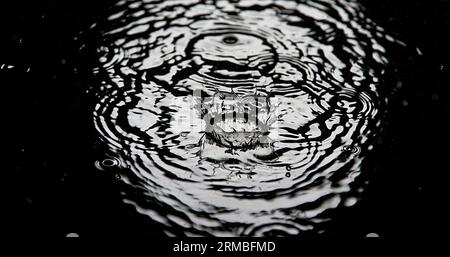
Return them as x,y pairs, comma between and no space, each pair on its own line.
320,61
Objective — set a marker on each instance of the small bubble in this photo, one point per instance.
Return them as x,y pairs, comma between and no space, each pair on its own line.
118,176
190,147
350,149
405,103
288,174
288,167
230,40
108,163
372,235
72,235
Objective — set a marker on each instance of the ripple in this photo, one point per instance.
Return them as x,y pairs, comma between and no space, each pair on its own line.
319,64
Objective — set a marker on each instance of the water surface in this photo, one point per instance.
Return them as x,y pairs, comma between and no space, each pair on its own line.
319,64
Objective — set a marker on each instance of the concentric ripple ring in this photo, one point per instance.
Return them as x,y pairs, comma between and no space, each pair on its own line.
318,63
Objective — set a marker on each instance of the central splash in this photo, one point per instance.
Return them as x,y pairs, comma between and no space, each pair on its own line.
230,117
238,121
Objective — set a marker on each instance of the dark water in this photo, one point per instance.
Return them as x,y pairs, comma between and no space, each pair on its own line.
330,75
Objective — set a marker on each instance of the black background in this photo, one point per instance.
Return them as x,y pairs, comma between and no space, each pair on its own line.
55,188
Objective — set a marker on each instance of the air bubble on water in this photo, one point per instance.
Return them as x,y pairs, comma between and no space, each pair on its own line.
350,149
107,163
230,40
288,174
288,167
190,146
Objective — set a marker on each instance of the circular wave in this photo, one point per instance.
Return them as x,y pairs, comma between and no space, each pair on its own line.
318,62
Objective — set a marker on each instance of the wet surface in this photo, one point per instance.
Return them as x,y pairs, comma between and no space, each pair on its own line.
336,156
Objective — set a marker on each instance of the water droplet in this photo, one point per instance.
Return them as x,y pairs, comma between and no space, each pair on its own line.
418,51
72,235
350,201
